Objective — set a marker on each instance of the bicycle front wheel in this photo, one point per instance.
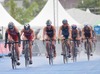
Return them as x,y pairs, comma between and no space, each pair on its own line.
88,51
26,55
13,58
50,59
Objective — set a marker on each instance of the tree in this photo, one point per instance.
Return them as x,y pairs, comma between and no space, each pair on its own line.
93,5
89,3
26,3
12,7
28,12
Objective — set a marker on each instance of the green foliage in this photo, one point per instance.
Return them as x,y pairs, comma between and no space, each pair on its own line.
28,12
94,5
12,7
89,3
26,3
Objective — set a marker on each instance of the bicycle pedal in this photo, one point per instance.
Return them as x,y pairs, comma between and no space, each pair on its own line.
9,54
62,54
69,56
47,56
18,63
30,62
91,54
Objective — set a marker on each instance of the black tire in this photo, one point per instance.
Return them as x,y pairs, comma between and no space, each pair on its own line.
88,54
88,51
13,64
13,58
51,54
26,55
26,62
74,53
65,59
50,59
66,53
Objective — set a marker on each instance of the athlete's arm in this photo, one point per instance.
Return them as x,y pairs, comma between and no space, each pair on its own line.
44,32
78,35
70,35
33,34
6,36
59,32
18,34
54,33
83,33
22,32
91,33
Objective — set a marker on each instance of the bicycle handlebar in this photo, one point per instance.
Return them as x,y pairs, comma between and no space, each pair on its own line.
12,42
75,40
27,41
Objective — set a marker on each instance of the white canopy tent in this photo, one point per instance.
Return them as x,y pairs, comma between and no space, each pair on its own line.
55,12
84,17
88,10
5,18
48,13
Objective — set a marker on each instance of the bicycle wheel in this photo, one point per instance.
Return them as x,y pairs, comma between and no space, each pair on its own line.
65,59
88,51
74,52
51,54
50,59
67,49
13,59
65,54
26,55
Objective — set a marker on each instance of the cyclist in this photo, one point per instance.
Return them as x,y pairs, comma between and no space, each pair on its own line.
93,37
64,33
75,34
49,32
12,34
80,36
28,34
87,32
80,32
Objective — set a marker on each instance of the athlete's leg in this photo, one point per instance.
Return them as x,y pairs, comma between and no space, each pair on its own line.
53,45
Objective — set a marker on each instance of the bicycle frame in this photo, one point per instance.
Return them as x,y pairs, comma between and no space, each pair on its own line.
50,52
13,54
74,50
66,51
26,54
88,48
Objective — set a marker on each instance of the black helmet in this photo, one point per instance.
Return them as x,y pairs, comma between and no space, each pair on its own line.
27,27
10,25
64,21
48,23
74,26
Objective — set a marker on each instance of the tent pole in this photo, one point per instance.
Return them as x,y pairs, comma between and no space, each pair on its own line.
57,17
54,11
2,32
